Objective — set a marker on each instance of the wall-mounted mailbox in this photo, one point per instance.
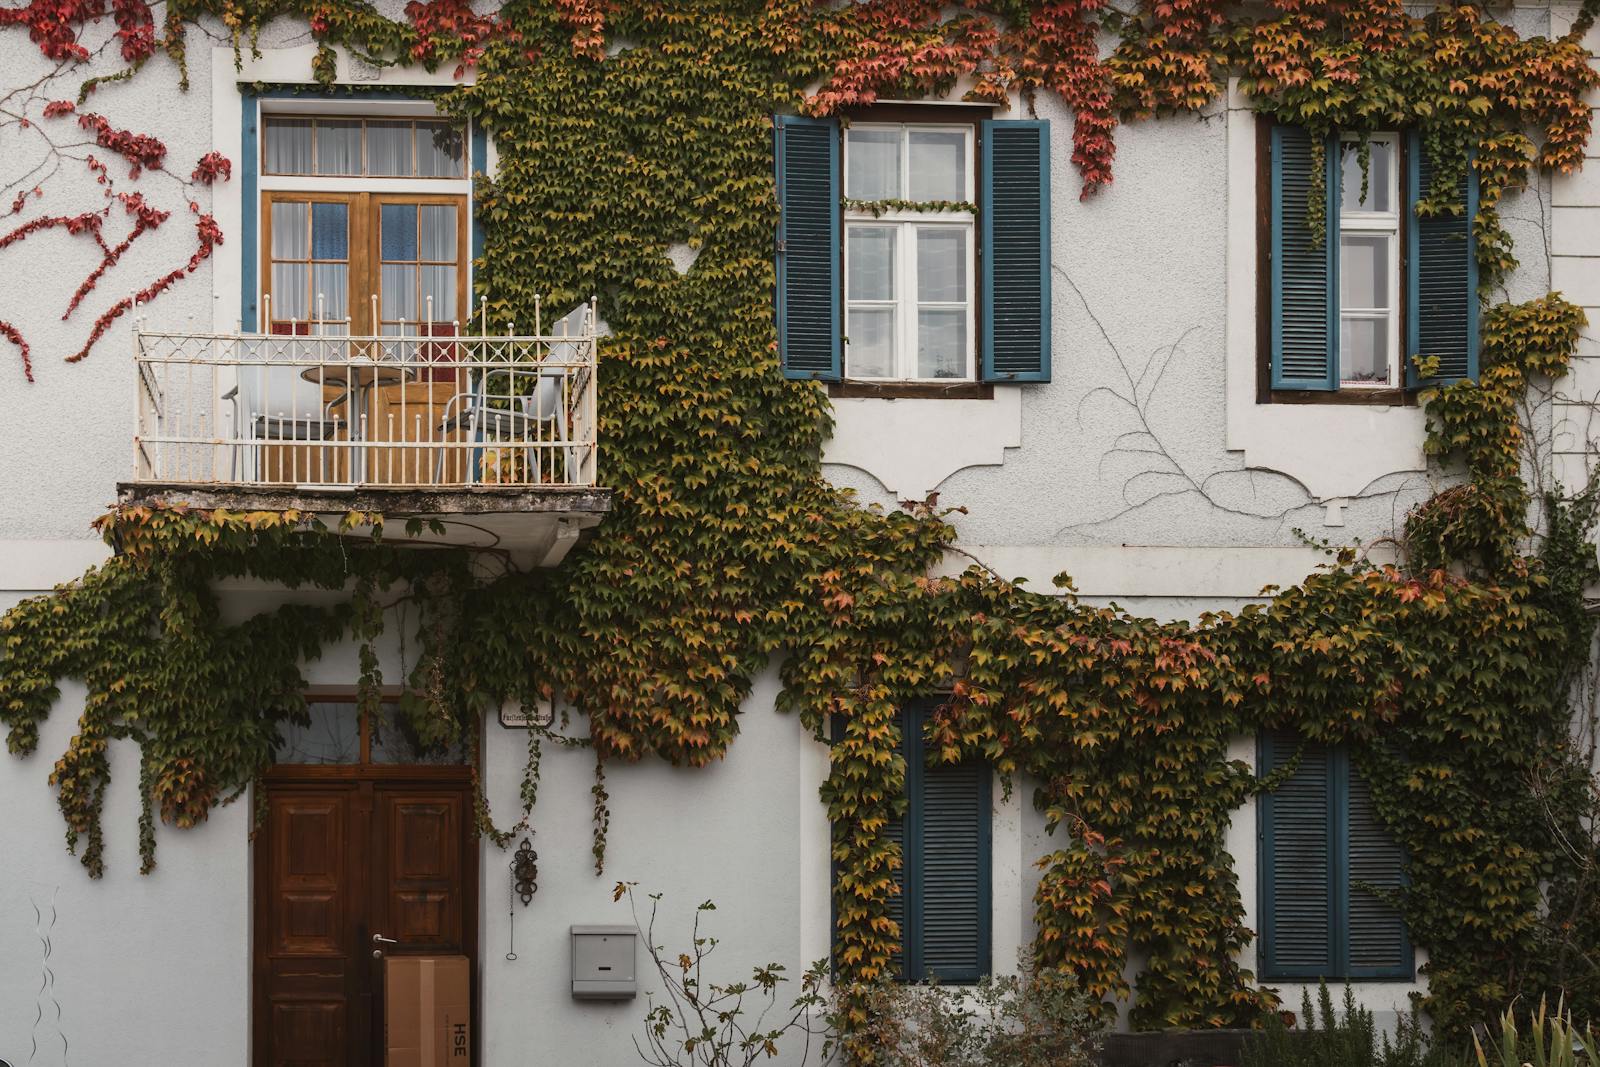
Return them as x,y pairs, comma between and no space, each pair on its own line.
602,963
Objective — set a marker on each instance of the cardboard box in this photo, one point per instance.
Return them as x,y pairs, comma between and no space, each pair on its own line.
427,1011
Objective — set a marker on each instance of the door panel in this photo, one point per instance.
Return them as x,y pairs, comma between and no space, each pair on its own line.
309,1033
421,899
309,855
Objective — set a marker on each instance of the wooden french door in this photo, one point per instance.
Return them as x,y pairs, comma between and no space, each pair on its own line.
350,854
364,263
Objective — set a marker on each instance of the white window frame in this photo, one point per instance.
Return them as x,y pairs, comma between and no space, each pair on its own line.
1374,224
354,108
905,223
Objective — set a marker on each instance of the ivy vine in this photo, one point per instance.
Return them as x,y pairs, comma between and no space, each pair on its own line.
1448,676
878,208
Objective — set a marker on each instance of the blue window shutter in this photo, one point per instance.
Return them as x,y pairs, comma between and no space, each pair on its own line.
1378,946
944,907
1441,275
810,333
1297,862
1014,244
954,891
1305,313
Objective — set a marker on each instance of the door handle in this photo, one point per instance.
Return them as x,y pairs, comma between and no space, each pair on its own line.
379,940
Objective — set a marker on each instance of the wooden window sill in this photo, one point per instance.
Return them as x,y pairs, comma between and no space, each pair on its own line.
1390,398
912,390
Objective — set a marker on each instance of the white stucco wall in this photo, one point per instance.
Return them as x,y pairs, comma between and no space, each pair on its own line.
138,970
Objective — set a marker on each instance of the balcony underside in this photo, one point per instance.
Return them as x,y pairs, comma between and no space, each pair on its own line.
541,522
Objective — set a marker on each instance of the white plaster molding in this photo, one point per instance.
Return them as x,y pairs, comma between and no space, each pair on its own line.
1331,450
227,206
815,839
289,66
1124,571
1008,914
913,445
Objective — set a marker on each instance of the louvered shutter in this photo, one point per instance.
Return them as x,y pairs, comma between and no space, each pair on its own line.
1014,244
944,906
810,335
1378,944
1305,339
1297,862
953,874
1441,275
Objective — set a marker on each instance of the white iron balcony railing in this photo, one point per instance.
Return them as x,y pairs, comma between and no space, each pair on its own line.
315,406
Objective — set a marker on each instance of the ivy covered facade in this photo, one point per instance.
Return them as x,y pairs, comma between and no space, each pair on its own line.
1111,485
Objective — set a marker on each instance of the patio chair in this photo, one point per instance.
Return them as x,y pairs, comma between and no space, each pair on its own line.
273,405
506,410
503,422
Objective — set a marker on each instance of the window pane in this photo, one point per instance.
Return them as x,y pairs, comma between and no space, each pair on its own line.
389,148
330,231
332,736
331,282
338,146
942,264
399,292
941,344
439,283
290,291
441,148
393,741
438,232
1364,350
869,348
290,237
1380,172
869,255
398,236
288,146
872,170
938,165
1364,271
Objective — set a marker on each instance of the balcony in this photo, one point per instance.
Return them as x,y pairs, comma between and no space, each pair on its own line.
493,435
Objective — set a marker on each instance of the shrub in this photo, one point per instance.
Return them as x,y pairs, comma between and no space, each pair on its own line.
1036,1018
1345,1039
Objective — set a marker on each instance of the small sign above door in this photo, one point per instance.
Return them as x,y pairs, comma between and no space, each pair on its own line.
515,715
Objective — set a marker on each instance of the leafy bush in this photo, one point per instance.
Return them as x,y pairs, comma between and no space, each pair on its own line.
1037,1018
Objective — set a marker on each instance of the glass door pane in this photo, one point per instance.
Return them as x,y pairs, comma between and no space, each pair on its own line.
420,269
309,270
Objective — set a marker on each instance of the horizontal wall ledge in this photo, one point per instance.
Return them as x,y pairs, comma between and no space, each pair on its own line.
398,502
1230,571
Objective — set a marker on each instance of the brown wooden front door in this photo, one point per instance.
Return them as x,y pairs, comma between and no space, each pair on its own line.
349,853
